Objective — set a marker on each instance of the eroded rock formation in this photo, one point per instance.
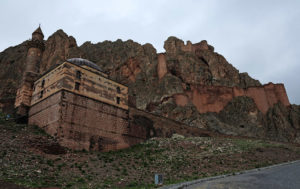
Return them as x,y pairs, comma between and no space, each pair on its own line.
189,83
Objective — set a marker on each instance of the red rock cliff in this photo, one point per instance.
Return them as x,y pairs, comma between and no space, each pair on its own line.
215,98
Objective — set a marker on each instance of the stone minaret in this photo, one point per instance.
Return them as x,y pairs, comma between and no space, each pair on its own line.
31,73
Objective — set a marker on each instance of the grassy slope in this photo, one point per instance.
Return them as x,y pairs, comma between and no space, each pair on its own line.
31,158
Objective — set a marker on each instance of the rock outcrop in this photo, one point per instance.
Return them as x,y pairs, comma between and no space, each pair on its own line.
242,117
12,65
59,47
189,83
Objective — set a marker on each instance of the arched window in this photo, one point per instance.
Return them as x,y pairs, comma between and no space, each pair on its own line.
77,86
188,87
78,74
43,83
118,90
41,94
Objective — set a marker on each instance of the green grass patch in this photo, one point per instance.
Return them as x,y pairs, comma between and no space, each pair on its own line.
249,144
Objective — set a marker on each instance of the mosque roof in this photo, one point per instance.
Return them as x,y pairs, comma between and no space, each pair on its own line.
82,62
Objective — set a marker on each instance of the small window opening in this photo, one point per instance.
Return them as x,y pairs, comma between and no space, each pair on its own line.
43,83
41,94
78,74
118,100
188,87
77,85
118,90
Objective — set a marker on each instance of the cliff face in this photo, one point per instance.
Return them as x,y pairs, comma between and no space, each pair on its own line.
12,65
189,83
215,98
59,47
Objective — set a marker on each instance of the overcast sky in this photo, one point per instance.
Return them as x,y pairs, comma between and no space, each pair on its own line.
261,37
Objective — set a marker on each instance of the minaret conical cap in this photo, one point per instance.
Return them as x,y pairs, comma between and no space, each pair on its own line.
39,31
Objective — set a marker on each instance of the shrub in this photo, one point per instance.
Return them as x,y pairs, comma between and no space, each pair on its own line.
50,163
2,117
38,131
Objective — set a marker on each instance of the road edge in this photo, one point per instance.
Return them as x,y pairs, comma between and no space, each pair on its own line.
189,183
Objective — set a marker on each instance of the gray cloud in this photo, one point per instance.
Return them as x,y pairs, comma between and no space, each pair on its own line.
258,37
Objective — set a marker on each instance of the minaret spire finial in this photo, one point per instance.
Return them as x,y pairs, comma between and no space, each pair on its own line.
38,34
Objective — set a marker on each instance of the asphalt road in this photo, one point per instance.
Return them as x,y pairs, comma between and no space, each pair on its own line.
279,177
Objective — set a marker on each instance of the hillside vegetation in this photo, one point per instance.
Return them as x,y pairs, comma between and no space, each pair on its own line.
32,159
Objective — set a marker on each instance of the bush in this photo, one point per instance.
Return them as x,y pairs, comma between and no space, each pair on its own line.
50,162
2,117
38,131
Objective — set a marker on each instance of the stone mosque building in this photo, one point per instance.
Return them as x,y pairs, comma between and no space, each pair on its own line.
75,102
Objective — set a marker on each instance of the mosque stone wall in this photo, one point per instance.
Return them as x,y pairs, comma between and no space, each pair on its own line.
80,122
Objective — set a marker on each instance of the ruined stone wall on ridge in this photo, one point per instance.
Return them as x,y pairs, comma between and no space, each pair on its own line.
159,126
215,98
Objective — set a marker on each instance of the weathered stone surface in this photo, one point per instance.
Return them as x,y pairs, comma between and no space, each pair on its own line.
162,69
83,123
12,65
281,123
247,81
215,98
243,117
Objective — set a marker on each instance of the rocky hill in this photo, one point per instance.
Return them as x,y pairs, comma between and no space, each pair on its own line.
189,83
